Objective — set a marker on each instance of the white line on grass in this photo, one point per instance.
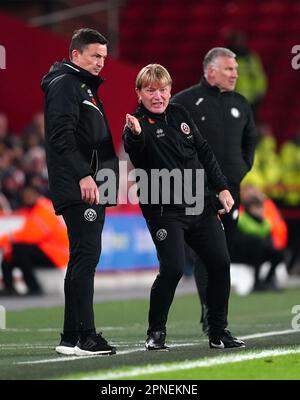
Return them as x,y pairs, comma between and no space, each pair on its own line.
178,345
26,346
104,328
275,333
186,365
72,358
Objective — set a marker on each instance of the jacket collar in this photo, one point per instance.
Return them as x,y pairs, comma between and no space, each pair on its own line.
209,87
143,110
214,90
86,76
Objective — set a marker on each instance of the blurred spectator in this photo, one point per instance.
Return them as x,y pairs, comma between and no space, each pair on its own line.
261,236
252,82
290,183
35,131
39,182
4,205
279,230
35,161
41,241
3,125
266,172
290,167
11,182
7,139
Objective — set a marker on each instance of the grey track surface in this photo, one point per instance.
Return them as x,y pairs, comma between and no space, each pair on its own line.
136,288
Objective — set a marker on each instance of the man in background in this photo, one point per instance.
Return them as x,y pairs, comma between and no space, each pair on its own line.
225,120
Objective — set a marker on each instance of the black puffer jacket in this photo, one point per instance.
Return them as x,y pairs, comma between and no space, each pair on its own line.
225,120
78,139
171,141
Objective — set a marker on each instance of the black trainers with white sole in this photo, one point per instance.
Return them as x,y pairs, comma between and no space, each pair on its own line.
92,345
156,341
67,345
225,340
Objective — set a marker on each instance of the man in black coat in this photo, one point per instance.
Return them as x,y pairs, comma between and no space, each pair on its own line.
78,147
225,120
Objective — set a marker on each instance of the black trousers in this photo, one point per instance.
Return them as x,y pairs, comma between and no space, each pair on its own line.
84,224
25,256
229,222
205,235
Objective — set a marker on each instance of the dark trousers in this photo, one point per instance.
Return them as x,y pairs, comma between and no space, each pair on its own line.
84,224
205,235
229,222
25,256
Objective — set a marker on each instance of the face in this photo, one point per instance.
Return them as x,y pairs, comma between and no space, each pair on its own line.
92,58
29,197
155,97
224,75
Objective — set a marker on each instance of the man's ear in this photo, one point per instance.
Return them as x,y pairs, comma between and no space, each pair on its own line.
211,72
74,54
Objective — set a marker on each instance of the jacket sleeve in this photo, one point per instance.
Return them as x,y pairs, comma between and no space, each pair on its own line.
249,139
134,145
207,158
62,116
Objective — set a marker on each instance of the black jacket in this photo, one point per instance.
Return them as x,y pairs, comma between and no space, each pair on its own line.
172,141
225,120
77,135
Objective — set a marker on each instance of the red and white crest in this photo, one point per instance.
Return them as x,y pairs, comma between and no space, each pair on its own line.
185,128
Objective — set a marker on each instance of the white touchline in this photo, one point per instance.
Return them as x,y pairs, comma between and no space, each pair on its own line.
185,365
72,358
265,334
177,345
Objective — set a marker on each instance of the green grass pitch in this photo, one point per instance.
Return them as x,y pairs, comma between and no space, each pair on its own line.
273,347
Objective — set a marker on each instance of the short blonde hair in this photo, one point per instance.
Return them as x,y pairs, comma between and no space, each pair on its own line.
153,74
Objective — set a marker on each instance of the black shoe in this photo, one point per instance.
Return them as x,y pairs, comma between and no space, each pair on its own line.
67,344
225,340
156,341
93,344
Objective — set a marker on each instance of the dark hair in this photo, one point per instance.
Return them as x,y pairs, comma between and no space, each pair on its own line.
83,37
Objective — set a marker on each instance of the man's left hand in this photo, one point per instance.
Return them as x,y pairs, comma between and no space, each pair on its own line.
226,200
